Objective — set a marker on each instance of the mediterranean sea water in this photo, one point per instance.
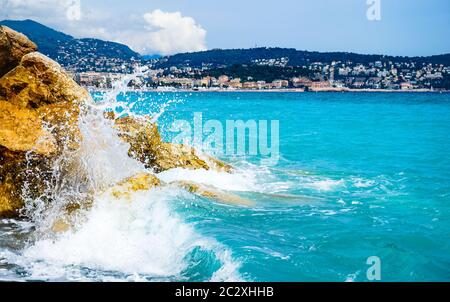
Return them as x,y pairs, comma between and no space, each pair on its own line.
359,175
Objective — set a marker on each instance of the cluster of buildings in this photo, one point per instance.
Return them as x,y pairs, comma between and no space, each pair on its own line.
101,80
101,65
105,81
322,77
80,56
379,75
222,82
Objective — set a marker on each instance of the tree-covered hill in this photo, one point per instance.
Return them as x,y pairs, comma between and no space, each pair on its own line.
222,57
69,51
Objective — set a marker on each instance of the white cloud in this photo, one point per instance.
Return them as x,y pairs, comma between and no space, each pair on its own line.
155,32
174,33
163,33
58,9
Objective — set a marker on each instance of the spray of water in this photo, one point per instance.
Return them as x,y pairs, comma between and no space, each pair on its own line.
113,238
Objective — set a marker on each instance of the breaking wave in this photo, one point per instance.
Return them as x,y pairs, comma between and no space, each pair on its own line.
141,240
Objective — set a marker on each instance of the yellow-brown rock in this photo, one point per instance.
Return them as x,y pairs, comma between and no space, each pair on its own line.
140,182
13,173
170,156
214,194
13,46
21,131
39,81
41,85
39,109
142,136
146,146
61,226
16,169
40,106
10,202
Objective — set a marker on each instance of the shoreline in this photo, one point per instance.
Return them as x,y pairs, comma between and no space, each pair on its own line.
287,90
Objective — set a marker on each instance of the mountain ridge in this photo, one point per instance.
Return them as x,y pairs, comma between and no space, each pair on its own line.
73,52
90,54
228,57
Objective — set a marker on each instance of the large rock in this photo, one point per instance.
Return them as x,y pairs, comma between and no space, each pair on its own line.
42,86
140,182
40,106
10,202
39,81
13,46
21,130
16,169
39,109
147,146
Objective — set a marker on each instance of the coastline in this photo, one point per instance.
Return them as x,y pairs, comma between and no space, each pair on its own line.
286,90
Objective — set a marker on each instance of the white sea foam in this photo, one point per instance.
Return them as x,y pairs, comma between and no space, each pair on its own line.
140,238
325,185
242,181
362,183
248,178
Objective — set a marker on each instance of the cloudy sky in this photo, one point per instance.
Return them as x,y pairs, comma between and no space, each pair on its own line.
397,27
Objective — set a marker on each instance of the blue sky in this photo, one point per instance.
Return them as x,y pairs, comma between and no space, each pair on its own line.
407,27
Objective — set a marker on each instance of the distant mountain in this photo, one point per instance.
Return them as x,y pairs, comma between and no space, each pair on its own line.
81,54
47,39
104,56
229,57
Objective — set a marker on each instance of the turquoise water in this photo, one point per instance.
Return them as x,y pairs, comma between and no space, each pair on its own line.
379,166
359,175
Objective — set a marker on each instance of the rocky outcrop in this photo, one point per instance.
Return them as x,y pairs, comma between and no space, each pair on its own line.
41,89
213,193
40,106
39,81
21,130
140,182
39,109
147,146
147,181
13,46
10,200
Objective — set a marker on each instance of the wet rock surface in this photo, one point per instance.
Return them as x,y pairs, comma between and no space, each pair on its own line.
13,46
40,110
147,146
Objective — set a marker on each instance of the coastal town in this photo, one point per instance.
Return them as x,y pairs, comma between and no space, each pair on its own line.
98,64
318,76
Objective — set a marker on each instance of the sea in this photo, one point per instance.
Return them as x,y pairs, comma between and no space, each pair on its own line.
356,183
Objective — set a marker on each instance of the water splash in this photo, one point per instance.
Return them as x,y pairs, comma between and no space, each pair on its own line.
111,99
113,238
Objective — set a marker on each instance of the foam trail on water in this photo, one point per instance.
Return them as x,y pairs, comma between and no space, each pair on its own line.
224,181
247,179
324,185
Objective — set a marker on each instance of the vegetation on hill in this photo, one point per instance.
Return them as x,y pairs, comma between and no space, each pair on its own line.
66,49
221,57
259,73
